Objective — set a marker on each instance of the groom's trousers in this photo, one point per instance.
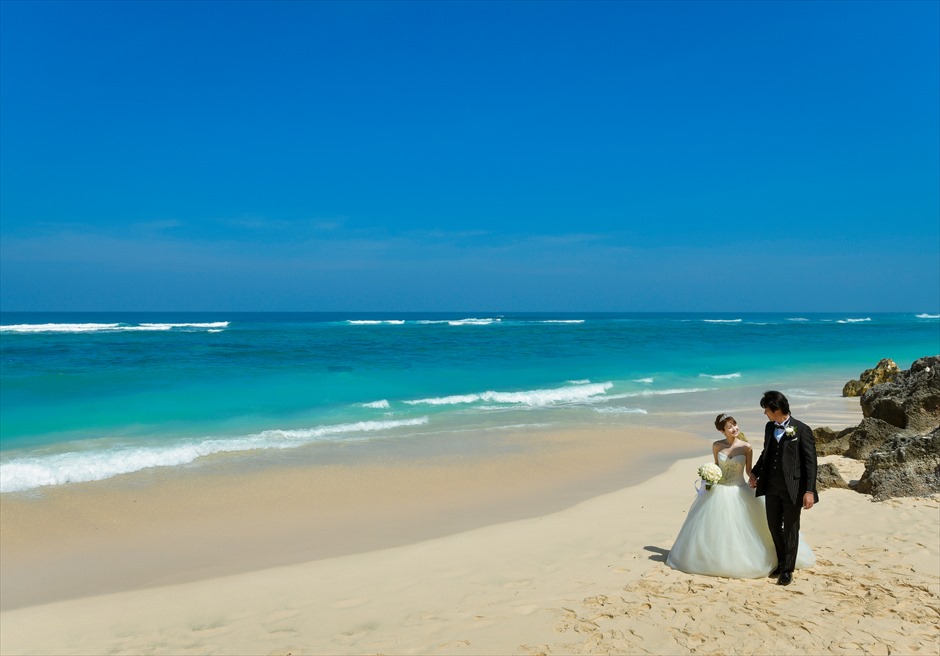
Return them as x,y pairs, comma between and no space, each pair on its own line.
783,519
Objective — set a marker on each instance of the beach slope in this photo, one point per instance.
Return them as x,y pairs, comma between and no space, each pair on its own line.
587,579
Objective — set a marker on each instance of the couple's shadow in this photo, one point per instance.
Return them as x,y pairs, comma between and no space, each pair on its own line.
659,554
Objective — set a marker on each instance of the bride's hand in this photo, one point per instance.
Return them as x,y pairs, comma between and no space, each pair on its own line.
751,480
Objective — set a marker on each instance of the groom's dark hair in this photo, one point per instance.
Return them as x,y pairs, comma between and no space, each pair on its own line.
775,401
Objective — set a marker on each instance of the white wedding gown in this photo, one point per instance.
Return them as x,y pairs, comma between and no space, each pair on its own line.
725,532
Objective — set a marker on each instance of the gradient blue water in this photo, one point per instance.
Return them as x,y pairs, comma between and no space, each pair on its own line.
88,399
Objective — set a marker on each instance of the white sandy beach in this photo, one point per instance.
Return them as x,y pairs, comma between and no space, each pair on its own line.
587,579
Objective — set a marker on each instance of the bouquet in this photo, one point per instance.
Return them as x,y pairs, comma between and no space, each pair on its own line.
710,473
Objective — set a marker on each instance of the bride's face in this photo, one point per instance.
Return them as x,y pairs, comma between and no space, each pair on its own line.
731,430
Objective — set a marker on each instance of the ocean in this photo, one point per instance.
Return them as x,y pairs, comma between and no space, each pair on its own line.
91,396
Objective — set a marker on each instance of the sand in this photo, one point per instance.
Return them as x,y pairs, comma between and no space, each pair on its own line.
584,578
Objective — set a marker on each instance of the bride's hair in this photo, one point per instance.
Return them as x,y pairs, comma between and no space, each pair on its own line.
722,420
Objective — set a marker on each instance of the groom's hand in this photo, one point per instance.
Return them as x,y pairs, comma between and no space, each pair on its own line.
807,501
752,481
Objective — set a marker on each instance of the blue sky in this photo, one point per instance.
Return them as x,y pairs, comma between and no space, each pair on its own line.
634,156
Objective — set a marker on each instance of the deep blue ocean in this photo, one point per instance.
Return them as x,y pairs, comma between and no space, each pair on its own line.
91,396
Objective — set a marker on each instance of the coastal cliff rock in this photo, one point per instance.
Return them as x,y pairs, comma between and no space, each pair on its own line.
911,401
899,437
907,465
883,372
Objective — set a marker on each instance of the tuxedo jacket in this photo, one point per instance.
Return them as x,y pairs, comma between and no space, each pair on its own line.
798,461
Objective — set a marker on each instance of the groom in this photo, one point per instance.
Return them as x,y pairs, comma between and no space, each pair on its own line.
786,476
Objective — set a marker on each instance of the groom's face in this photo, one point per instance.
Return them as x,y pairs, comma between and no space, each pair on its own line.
774,415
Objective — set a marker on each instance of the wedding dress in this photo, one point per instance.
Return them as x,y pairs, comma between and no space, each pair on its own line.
725,532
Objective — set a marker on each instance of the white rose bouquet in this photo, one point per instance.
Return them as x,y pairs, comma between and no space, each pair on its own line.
710,473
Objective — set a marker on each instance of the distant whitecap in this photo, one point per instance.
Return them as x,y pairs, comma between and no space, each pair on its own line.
375,322
109,327
474,322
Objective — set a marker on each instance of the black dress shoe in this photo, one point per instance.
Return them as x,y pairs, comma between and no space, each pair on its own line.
775,572
786,578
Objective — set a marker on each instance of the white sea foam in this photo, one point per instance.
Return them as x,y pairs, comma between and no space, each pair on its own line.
474,322
854,320
531,398
382,405
374,322
722,320
645,381
621,411
928,316
20,474
720,376
58,327
213,326
798,319
562,321
663,392
583,381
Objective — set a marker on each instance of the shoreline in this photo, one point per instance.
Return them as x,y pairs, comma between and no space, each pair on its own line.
177,526
587,579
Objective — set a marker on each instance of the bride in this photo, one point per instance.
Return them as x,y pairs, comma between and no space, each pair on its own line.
725,532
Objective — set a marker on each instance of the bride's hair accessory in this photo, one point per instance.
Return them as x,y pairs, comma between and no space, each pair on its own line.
723,419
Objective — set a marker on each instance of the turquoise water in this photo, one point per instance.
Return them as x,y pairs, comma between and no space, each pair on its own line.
90,396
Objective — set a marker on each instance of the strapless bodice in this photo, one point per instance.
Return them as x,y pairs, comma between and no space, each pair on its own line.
732,469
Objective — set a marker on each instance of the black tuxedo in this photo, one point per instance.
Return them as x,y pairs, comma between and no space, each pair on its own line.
785,472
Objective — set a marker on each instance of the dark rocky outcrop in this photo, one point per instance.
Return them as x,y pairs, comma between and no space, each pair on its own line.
907,465
912,401
899,437
867,437
827,477
830,442
883,372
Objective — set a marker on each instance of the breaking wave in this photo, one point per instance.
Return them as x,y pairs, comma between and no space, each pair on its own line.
531,398
26,473
213,326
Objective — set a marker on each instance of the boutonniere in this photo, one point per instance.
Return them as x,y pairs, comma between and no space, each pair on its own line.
790,432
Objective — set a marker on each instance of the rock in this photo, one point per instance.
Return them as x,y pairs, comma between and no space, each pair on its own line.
883,372
827,477
911,401
906,466
899,437
869,436
830,442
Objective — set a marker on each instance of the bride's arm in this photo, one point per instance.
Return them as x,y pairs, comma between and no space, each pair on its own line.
751,480
716,447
